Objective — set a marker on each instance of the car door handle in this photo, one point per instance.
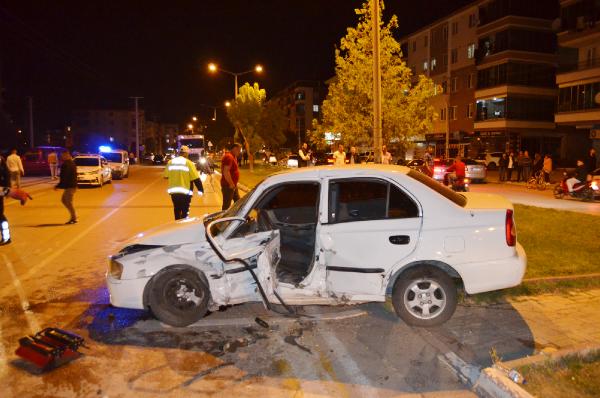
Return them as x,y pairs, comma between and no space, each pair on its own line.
400,239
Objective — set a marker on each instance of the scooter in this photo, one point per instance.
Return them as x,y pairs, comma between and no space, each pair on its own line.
459,184
586,191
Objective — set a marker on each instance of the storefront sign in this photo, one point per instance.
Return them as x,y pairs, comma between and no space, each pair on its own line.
491,133
595,134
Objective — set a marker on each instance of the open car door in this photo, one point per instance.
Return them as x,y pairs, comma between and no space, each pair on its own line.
257,253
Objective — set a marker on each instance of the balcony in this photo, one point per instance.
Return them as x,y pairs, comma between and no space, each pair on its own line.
582,72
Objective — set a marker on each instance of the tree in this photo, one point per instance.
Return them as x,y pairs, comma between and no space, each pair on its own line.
257,124
348,108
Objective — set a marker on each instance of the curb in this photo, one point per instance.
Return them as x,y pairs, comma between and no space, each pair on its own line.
494,382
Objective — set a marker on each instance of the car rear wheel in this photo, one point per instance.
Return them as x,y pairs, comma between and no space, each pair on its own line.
424,296
178,296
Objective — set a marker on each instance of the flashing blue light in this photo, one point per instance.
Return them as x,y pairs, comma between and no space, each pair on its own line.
104,148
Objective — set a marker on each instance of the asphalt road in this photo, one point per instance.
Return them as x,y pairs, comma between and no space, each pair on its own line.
53,275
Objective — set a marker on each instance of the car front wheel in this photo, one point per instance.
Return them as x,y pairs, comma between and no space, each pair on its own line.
178,296
424,296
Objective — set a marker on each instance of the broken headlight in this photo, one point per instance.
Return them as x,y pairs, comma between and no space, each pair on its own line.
115,269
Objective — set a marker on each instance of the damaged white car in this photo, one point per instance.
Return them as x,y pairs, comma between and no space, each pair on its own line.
326,236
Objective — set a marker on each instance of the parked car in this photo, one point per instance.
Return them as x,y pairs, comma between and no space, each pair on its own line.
492,160
475,172
160,159
328,236
92,170
419,165
35,161
118,160
439,169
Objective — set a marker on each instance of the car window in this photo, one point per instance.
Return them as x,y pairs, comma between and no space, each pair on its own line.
446,192
368,199
469,161
87,161
286,205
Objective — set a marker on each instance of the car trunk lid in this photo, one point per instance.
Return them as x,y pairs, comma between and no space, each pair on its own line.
477,200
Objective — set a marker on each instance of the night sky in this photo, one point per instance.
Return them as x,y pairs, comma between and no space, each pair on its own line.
82,54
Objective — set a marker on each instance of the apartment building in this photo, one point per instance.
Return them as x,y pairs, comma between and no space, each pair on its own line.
301,103
516,60
445,52
578,78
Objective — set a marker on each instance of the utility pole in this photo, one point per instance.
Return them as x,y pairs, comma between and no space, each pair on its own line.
30,102
137,128
377,125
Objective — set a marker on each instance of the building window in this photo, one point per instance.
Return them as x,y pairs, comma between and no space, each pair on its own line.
470,80
578,98
425,41
454,55
300,95
445,33
454,28
472,20
454,84
300,109
591,57
471,51
443,114
414,46
444,87
445,60
470,111
425,65
452,112
315,108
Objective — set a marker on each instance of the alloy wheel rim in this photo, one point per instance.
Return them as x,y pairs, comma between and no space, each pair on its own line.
425,298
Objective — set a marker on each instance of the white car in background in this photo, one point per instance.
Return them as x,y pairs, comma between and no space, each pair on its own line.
118,160
329,236
92,170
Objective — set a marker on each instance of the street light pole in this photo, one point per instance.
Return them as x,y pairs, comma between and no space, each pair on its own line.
137,128
31,134
214,68
377,125
235,93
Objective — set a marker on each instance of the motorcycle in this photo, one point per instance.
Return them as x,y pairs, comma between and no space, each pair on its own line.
586,191
458,184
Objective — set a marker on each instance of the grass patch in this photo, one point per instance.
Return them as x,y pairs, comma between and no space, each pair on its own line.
572,376
260,172
558,242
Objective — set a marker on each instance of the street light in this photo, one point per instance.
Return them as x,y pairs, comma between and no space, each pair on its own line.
213,68
227,104
194,118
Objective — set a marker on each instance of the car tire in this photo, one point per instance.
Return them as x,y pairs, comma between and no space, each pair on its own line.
165,296
439,293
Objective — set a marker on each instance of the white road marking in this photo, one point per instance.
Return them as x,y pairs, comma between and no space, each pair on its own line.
349,366
34,326
32,270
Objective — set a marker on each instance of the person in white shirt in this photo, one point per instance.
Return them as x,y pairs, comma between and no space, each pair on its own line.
339,156
386,157
15,167
304,154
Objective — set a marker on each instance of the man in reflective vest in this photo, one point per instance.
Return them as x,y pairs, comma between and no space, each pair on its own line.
182,173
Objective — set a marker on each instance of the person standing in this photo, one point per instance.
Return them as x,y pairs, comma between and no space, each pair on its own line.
538,163
68,182
510,167
502,165
591,163
339,156
53,164
520,166
526,166
230,175
182,175
428,158
547,168
353,156
304,154
15,167
386,157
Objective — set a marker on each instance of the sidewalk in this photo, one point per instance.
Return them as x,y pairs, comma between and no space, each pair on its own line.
562,321
522,327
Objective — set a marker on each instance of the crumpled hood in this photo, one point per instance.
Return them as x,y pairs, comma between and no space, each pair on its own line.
189,230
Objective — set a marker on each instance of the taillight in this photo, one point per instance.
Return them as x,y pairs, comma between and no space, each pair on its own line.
511,230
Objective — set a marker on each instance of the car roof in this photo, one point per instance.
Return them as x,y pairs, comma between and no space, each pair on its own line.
338,171
88,155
